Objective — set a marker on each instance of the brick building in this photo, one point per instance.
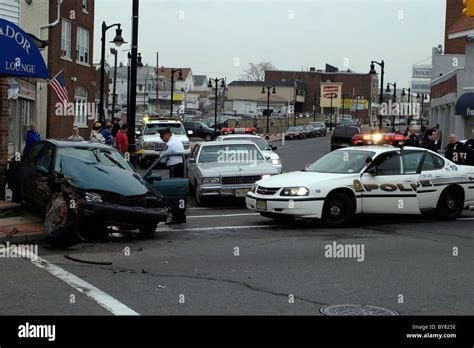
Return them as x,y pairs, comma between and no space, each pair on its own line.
453,15
71,50
353,84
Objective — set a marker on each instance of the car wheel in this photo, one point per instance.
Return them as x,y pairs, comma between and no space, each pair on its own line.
147,231
338,210
450,204
278,217
200,200
208,137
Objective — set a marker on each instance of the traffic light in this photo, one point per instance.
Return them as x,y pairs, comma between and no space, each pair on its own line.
468,8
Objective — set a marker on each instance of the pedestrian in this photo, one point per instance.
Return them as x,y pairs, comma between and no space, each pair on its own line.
429,140
439,137
75,135
96,136
121,141
413,139
116,126
454,151
32,137
107,134
173,145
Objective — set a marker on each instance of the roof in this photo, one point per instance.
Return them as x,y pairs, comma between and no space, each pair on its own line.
200,80
166,72
300,84
227,143
462,24
163,121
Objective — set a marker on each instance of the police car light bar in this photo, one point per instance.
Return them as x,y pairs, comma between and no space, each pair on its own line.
379,139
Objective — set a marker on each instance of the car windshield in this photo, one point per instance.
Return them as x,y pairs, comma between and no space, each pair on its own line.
261,144
103,156
294,129
341,162
234,153
176,128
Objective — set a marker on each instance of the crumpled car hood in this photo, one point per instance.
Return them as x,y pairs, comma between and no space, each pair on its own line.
98,177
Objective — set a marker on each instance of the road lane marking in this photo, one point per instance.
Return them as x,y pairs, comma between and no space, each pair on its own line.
101,298
465,219
223,215
216,228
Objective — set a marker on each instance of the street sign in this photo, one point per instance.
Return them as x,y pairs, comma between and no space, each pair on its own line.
421,86
422,71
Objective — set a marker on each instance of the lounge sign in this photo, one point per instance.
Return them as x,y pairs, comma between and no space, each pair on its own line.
18,54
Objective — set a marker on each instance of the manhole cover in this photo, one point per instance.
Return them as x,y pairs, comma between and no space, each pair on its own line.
356,310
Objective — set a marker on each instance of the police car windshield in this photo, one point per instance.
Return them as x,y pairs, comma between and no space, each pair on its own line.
341,162
176,128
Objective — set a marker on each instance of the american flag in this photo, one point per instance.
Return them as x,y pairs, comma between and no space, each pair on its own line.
58,84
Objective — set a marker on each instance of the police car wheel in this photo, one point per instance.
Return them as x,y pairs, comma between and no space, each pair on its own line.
338,210
450,204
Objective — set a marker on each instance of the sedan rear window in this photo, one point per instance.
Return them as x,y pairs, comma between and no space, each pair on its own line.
240,153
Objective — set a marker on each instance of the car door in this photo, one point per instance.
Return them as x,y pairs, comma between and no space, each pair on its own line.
431,172
389,185
174,190
192,168
38,174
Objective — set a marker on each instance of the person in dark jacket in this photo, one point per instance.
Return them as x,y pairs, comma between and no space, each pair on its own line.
429,140
454,151
413,139
107,134
32,137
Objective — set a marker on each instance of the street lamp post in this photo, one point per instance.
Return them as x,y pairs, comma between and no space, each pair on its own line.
373,72
404,90
316,95
394,100
118,41
114,89
132,112
333,95
216,82
180,78
269,90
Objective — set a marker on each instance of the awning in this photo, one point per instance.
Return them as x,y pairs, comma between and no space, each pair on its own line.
19,55
465,105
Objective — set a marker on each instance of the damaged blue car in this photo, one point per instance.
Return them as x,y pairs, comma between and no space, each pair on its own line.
83,188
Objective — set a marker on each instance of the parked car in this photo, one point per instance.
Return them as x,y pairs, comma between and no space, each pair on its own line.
342,136
320,128
200,130
309,131
83,187
218,169
150,141
295,133
267,150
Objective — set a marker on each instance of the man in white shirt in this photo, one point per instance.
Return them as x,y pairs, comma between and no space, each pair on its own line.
173,145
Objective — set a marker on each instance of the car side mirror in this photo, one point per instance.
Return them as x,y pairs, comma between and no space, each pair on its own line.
368,161
372,170
192,160
153,178
274,148
42,170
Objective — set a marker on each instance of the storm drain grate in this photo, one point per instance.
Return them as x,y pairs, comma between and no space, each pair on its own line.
356,310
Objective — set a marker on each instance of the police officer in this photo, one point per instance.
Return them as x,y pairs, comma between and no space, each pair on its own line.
173,145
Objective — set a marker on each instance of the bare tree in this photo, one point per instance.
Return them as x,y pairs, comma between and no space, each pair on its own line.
256,72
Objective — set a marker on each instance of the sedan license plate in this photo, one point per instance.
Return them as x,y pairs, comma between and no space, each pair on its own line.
261,205
241,192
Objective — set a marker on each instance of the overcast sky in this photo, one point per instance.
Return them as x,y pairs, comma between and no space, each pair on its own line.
219,38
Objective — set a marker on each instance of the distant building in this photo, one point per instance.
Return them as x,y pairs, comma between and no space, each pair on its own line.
200,83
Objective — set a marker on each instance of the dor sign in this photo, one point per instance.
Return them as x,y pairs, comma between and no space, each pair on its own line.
18,54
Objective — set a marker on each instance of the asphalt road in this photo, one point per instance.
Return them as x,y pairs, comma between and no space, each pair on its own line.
227,260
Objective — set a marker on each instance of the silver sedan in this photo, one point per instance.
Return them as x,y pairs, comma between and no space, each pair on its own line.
226,169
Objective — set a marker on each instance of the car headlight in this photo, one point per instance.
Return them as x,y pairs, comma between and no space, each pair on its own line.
275,162
211,180
266,176
93,197
295,191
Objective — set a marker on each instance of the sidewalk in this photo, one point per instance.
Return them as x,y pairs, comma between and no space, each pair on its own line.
18,226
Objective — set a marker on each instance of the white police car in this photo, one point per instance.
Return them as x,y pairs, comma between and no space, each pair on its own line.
365,180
